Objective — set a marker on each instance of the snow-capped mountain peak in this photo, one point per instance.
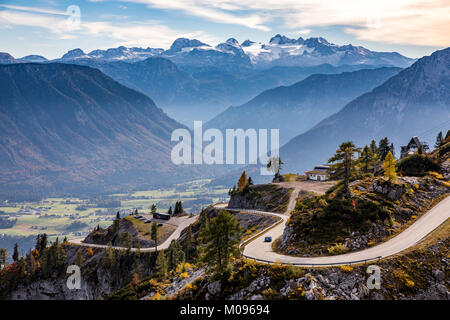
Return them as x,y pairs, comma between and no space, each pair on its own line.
279,51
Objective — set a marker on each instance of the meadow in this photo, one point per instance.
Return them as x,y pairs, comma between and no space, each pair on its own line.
74,217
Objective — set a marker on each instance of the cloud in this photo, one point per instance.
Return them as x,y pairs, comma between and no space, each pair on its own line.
417,22
145,33
216,11
303,32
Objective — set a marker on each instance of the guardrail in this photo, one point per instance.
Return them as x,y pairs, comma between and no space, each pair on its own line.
314,264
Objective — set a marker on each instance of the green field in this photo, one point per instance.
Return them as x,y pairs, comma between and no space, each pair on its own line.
59,217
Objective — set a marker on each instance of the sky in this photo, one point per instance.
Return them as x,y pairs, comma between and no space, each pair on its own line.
50,28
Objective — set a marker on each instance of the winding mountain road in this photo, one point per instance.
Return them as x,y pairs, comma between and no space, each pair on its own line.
261,251
255,248
175,235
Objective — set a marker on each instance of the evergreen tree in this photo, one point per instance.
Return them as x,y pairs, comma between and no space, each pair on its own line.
170,210
220,238
243,182
109,258
79,258
116,226
154,234
118,215
41,242
250,181
15,255
178,208
175,255
153,209
274,165
343,164
203,218
439,140
188,242
3,257
126,240
367,159
389,167
60,257
383,148
373,147
391,149
161,264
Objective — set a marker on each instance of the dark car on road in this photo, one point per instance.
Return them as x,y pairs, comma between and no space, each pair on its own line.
268,239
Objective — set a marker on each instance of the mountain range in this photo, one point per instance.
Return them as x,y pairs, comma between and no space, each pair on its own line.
69,128
231,55
414,102
193,80
296,108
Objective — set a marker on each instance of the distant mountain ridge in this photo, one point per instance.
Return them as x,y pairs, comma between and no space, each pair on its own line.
296,108
415,101
193,80
230,55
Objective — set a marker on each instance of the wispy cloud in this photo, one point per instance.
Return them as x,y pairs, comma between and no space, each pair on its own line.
417,22
143,33
34,9
217,11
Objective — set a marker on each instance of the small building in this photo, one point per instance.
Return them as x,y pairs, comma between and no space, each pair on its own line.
163,216
319,173
413,146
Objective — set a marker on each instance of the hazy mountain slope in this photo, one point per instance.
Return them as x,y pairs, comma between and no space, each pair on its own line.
67,127
296,108
200,95
410,103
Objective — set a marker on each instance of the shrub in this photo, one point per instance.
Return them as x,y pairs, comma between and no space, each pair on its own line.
436,175
417,165
346,268
337,248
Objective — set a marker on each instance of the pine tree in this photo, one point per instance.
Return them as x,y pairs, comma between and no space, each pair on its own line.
126,240
154,234
3,257
274,164
60,257
367,159
170,210
79,258
118,215
392,150
383,148
373,147
343,164
220,237
153,209
389,167
250,181
15,255
175,255
116,226
109,258
41,242
188,242
243,182
439,140
161,264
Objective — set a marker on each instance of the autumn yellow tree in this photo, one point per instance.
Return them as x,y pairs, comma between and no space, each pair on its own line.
389,167
243,182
